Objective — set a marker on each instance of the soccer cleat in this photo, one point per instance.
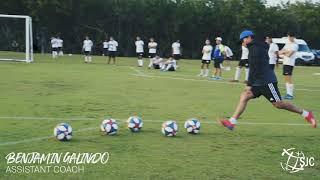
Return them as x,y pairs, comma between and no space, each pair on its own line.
226,123
234,80
214,78
288,97
311,119
245,82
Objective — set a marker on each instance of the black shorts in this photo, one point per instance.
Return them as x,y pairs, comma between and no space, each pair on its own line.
270,92
59,49
205,61
87,53
176,56
105,51
54,49
217,64
171,69
112,53
287,70
140,54
156,66
272,66
152,55
244,63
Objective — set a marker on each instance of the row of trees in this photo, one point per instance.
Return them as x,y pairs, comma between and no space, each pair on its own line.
190,21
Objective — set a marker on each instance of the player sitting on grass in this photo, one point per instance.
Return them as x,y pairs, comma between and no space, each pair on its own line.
262,81
206,59
169,65
156,62
218,56
87,47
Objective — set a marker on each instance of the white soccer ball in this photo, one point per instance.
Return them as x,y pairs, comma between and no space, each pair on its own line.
63,132
135,123
192,126
109,126
169,128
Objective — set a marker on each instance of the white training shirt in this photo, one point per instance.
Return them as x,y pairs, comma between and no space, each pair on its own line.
176,48
229,53
290,46
152,47
54,43
273,48
112,45
245,53
139,46
59,43
207,54
87,45
105,45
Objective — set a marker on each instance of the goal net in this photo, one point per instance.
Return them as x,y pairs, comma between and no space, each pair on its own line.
16,38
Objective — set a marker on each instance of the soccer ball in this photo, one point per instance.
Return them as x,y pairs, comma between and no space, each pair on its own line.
109,126
135,123
192,126
169,128
63,132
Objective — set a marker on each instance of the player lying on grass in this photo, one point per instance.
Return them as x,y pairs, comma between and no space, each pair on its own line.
262,81
169,65
156,62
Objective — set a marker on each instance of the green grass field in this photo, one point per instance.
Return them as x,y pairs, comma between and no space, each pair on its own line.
35,97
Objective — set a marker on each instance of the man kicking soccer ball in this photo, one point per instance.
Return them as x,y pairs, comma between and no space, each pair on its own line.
262,81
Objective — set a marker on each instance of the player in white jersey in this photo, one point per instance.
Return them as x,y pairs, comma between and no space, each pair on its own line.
288,53
139,50
169,65
176,50
60,46
112,48
54,47
206,59
272,52
87,48
156,62
228,59
243,63
152,45
105,47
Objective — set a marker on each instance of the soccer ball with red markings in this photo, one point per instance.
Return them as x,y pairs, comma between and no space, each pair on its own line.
135,123
192,126
109,126
169,128
63,132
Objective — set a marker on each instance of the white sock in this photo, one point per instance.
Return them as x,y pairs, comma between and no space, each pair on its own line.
201,72
289,88
85,59
247,74
90,58
206,72
150,64
233,120
238,73
140,62
305,113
